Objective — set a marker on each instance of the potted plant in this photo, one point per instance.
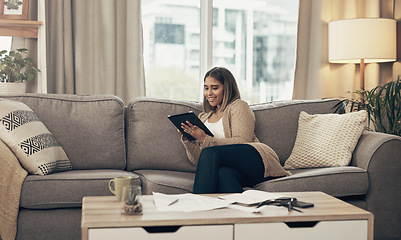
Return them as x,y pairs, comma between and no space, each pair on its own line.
15,69
383,104
133,206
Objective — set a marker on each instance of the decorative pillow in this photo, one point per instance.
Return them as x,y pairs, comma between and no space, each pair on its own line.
326,140
33,144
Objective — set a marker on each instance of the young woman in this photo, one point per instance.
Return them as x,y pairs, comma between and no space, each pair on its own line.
234,158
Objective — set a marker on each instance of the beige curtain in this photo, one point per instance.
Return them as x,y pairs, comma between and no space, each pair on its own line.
95,47
314,77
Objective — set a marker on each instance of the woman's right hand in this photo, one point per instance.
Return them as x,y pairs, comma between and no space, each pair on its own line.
194,131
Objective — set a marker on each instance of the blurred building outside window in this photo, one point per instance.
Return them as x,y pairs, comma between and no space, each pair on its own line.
254,39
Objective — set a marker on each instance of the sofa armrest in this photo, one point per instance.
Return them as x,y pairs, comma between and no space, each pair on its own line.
370,146
380,155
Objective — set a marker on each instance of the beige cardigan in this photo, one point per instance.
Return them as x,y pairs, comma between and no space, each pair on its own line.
12,175
239,128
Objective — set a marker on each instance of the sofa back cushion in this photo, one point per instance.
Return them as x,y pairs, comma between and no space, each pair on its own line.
277,122
154,143
89,128
152,140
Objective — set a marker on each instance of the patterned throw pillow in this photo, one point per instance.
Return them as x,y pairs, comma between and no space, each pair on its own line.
326,140
35,147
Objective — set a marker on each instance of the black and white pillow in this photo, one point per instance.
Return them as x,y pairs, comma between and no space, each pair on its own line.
33,144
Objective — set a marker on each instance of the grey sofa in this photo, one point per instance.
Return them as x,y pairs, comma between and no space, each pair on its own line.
105,138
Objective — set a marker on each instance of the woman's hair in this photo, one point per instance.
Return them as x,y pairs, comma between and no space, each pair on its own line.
230,88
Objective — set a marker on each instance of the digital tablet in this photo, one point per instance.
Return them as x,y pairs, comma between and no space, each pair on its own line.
177,119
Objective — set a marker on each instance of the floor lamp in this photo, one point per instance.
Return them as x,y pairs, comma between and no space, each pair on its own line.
362,40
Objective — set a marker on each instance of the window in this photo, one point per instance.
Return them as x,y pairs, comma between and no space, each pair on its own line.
171,42
169,33
255,39
5,43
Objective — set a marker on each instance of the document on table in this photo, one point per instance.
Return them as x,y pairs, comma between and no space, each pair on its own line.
188,202
250,197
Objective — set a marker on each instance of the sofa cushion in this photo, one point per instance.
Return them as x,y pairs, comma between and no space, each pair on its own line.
152,140
277,123
171,182
90,128
66,189
59,224
336,181
326,140
35,147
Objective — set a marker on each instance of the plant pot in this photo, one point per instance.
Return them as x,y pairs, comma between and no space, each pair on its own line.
12,88
133,209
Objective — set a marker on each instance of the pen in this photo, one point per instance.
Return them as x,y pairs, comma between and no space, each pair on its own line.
173,202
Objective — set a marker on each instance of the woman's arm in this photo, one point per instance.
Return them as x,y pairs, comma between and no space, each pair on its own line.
192,149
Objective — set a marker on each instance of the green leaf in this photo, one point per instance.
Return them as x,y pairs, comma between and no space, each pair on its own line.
383,104
17,66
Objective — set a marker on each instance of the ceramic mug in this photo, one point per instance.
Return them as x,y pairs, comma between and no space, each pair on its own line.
117,184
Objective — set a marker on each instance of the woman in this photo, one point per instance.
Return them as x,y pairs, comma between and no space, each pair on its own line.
234,158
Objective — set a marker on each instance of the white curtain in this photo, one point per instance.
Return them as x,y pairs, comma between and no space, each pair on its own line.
314,77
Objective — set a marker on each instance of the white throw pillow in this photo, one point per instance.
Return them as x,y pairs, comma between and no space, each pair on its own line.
33,144
326,140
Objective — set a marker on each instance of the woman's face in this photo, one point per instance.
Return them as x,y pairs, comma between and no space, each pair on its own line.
213,92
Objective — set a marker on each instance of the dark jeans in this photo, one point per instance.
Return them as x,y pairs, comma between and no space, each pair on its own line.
228,168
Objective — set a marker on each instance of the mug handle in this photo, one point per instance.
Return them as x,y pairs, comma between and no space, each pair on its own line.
111,189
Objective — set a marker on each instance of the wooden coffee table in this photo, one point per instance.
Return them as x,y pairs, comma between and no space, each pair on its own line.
329,219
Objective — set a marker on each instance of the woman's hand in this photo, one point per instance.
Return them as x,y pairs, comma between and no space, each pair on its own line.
194,131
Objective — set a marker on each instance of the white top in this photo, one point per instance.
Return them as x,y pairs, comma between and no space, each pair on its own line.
216,128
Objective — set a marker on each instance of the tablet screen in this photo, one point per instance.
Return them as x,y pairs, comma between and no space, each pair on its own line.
177,119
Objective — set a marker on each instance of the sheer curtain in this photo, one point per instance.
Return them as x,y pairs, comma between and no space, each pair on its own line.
314,76
95,47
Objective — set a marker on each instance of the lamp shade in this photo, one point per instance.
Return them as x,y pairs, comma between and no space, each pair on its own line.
371,39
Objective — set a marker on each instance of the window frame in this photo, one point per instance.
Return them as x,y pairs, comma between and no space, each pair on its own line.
206,41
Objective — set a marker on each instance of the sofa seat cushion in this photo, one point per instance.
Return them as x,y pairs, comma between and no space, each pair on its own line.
66,189
336,181
169,182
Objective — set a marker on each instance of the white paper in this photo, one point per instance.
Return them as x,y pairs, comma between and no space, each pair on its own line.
187,202
249,197
245,209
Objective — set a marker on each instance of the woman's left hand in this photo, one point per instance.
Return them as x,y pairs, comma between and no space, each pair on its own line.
194,131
